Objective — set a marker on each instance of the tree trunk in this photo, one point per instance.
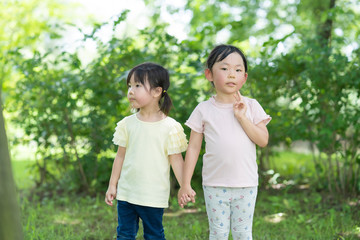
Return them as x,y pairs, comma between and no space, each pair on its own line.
326,27
10,224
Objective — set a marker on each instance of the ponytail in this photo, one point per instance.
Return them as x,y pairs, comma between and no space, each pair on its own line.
165,103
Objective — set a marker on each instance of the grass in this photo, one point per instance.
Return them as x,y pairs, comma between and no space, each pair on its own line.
303,214
293,164
289,212
22,174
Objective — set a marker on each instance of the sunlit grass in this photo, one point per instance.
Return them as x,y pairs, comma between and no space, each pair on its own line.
22,174
81,217
293,164
290,212
303,214
275,218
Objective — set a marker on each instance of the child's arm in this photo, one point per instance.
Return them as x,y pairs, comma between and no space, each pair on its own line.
257,133
115,175
186,193
177,164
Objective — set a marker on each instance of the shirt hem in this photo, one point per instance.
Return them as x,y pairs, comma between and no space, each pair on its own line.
154,205
231,185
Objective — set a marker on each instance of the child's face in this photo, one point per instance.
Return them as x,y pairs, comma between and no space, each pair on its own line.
140,95
228,75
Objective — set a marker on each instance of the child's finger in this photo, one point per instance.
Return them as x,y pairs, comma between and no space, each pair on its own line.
109,199
193,193
186,197
181,204
183,200
238,96
108,202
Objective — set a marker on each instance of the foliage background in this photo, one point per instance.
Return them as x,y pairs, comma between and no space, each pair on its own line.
304,70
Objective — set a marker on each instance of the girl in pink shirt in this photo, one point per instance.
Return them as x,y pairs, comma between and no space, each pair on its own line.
232,126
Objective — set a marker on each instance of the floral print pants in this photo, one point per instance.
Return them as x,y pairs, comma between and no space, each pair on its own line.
230,208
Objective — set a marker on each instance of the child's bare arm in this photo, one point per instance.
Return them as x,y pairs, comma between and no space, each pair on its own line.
257,133
177,164
186,193
115,175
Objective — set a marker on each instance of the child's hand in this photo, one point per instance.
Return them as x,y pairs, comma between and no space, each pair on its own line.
239,106
110,195
185,195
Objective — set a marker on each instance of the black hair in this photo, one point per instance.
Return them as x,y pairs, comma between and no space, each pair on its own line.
220,52
157,76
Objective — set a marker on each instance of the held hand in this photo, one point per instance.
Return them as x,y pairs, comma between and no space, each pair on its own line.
239,106
185,195
110,195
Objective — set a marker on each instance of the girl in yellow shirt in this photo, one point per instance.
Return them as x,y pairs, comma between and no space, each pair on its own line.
149,142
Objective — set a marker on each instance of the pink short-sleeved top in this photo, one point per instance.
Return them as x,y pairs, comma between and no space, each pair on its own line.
230,155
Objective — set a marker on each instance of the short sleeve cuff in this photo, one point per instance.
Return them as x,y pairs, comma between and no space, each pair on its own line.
193,127
266,120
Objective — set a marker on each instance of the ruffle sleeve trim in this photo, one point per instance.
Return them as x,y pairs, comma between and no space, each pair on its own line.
177,140
120,135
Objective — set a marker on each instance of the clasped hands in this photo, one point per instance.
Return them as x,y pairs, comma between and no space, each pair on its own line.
185,195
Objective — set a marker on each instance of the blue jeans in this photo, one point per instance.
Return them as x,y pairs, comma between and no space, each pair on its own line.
128,220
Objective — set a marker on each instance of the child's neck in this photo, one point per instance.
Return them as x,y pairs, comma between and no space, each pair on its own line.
150,116
225,98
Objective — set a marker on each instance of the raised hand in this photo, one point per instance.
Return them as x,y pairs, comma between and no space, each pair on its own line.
239,106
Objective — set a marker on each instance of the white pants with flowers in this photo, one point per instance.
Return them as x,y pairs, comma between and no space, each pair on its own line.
230,208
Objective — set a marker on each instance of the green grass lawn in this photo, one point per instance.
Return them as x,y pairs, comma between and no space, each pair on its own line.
292,164
286,213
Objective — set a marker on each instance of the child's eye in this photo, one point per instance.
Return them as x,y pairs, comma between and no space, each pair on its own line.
238,70
138,85
224,69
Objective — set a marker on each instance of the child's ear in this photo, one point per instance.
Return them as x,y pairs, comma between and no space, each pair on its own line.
208,75
158,91
246,76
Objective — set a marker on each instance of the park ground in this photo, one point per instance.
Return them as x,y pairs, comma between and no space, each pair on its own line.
286,209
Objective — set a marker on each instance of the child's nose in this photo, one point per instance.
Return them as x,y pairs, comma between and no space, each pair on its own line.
231,74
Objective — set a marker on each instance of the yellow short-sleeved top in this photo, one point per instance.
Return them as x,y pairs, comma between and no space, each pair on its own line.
145,174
